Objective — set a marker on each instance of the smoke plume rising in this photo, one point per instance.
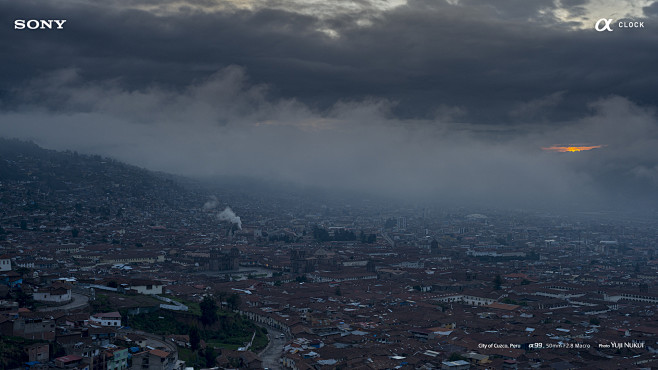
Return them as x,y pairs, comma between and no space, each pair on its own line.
211,204
228,215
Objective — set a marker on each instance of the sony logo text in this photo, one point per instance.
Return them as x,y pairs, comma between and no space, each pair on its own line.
39,24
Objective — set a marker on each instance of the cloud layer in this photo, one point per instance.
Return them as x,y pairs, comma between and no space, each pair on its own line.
225,126
496,61
430,100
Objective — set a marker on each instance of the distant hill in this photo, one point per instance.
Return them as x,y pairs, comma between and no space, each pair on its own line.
33,178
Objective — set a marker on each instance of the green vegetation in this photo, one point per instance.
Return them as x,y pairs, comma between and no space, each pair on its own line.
511,301
233,301
101,303
235,342
163,322
456,357
208,311
367,239
24,299
195,338
217,325
260,341
12,352
195,359
209,355
501,241
193,307
301,279
498,281
230,330
322,235
109,301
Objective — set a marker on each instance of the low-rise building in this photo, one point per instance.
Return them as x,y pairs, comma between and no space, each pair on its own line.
106,319
55,294
5,263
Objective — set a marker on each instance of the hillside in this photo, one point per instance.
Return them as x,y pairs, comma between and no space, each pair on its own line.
47,190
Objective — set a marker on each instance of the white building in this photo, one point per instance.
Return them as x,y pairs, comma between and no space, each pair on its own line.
5,263
145,286
106,319
56,293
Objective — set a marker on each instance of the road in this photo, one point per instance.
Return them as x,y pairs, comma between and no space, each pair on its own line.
77,301
154,340
272,353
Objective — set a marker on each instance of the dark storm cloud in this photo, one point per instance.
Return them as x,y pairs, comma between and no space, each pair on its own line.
428,100
651,10
487,58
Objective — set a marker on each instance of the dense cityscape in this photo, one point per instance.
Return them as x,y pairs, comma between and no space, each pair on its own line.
107,266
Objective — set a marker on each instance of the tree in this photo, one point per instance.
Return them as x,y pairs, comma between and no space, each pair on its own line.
101,304
222,297
209,354
12,352
75,232
301,279
501,241
23,225
233,301
320,234
342,235
208,311
23,271
498,281
24,299
195,338
456,357
338,291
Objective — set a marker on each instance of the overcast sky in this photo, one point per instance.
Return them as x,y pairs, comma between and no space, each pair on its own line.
427,99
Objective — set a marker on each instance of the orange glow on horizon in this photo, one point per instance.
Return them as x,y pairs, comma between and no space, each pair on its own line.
571,149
